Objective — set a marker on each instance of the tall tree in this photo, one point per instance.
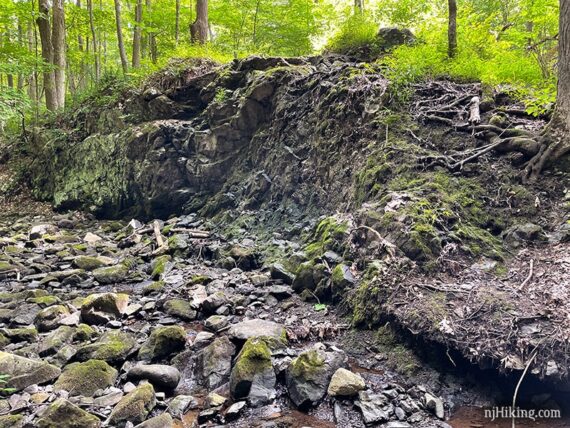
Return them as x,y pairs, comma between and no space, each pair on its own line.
452,29
59,51
43,22
200,27
137,35
94,40
120,42
555,141
177,23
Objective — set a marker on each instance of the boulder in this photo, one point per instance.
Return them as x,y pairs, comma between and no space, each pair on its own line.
252,376
63,414
342,280
90,263
309,375
48,319
86,378
113,347
161,421
111,274
181,309
278,271
373,407
103,307
134,407
163,341
23,372
391,37
258,328
161,376
55,340
344,383
521,234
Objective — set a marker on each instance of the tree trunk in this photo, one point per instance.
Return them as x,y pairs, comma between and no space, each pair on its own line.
177,23
359,6
452,29
47,54
137,35
199,28
555,141
120,42
59,49
94,38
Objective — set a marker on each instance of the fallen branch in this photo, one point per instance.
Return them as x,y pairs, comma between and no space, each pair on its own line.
388,246
529,277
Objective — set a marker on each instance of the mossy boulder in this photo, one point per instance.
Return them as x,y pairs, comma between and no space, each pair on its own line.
11,421
309,276
113,347
342,280
23,372
90,263
158,266
44,301
153,288
100,308
48,319
63,414
111,274
163,341
308,376
134,407
252,376
180,308
83,333
86,378
23,334
51,343
160,421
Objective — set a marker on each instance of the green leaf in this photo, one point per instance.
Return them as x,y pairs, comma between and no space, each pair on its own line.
320,307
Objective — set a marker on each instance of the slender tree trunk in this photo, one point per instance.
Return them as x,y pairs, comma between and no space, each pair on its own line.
177,23
199,28
21,44
137,35
59,50
47,54
94,38
452,29
32,82
359,6
255,20
120,42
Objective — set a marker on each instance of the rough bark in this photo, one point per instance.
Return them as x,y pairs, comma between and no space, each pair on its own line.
452,29
94,39
177,23
59,50
137,35
120,42
199,28
44,29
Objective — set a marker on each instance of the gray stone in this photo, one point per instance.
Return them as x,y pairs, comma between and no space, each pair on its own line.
23,372
372,407
161,376
344,383
257,328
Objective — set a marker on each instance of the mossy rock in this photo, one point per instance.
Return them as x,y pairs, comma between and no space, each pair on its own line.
86,378
253,364
63,414
154,288
113,347
158,266
163,341
44,301
11,421
23,372
84,332
134,407
7,267
90,263
48,319
23,334
329,235
111,274
308,277
200,279
55,340
180,308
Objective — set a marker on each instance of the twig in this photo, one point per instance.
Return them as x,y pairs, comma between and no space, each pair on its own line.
390,248
528,364
529,277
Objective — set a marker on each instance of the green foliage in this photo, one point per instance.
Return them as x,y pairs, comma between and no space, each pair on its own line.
356,32
3,381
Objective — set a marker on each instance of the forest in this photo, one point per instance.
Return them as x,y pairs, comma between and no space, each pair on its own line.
284,213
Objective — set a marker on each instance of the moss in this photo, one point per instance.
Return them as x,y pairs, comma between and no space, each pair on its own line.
200,279
112,274
113,226
23,334
397,356
89,263
80,247
113,347
83,333
328,235
86,378
12,249
159,266
135,406
6,267
11,421
63,414
163,341
254,358
44,301
155,287
307,364
180,308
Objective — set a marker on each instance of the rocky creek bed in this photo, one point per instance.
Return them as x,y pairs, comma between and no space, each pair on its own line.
102,326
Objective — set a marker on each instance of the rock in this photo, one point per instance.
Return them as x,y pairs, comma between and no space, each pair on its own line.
342,280
91,263
372,407
161,421
158,266
252,376
63,414
86,378
48,319
180,404
111,274
103,307
56,340
278,271
258,328
309,375
344,383
309,276
519,235
23,372
181,309
11,421
134,407
235,410
39,230
216,322
202,339
113,347
161,376
162,342
215,400
213,302
24,334
246,258
435,405
110,399
391,37
91,238
396,424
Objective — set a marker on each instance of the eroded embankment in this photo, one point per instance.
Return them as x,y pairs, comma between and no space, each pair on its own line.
269,149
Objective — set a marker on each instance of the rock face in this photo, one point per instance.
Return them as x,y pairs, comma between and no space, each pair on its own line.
309,375
23,372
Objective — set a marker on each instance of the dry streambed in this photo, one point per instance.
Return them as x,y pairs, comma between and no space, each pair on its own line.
165,324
